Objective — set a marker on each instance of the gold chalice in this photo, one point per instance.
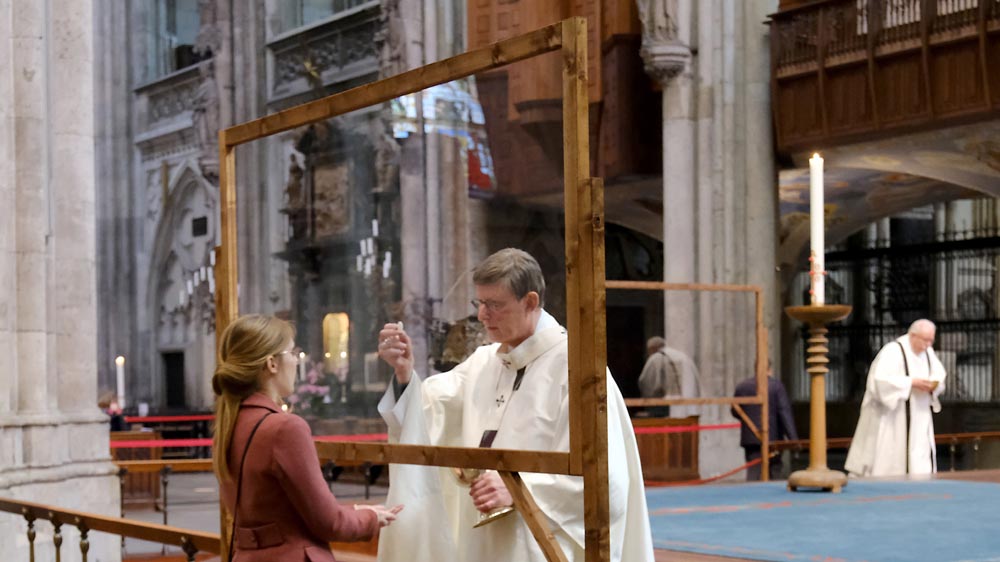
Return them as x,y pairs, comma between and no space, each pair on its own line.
466,476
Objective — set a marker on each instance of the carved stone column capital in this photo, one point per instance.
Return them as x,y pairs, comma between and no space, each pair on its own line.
664,61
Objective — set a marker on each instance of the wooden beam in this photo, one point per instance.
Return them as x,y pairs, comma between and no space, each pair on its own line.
762,385
821,40
645,402
873,26
661,286
575,170
493,56
226,297
927,12
178,465
588,390
462,457
537,521
746,419
984,66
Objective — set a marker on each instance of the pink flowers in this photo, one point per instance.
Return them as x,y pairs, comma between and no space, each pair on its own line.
313,394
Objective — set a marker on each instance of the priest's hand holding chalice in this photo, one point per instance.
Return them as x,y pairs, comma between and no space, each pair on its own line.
488,492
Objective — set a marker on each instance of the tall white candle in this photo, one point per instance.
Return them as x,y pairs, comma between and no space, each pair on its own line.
120,371
375,228
817,244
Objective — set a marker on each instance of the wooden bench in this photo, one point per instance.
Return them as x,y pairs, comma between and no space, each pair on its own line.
668,457
138,486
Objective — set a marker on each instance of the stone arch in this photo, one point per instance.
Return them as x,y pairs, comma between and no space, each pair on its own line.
179,250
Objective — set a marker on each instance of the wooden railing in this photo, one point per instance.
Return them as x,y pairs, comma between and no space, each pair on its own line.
191,542
842,69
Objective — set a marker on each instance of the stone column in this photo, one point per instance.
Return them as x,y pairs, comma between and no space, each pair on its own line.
53,439
33,222
667,56
719,190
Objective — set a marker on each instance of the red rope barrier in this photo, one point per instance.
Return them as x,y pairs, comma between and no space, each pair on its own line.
161,443
162,419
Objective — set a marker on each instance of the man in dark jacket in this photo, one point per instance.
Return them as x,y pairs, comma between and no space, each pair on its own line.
781,424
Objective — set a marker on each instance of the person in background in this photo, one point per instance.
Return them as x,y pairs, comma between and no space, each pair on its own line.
780,424
669,373
109,403
895,433
269,474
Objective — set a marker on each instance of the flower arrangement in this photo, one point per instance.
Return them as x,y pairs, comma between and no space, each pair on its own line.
312,395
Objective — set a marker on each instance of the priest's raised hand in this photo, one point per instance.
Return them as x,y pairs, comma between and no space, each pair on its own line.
394,348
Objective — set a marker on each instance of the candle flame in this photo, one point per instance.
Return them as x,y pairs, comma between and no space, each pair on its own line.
120,360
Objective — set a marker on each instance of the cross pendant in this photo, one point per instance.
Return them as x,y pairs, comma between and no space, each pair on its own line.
500,401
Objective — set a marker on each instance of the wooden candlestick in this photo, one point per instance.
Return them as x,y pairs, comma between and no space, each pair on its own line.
818,475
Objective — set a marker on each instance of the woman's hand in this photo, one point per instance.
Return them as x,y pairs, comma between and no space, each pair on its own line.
394,349
385,514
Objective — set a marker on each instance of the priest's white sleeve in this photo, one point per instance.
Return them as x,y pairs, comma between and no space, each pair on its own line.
413,536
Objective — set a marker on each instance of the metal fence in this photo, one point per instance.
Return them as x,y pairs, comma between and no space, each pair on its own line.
952,281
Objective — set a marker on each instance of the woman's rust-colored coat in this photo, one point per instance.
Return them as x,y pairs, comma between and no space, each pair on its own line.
286,511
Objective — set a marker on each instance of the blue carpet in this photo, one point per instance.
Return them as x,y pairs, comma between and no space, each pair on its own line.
930,520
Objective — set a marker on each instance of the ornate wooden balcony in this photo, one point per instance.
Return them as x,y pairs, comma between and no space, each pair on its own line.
843,70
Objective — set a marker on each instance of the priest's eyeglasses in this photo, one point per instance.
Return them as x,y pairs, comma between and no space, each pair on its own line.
491,305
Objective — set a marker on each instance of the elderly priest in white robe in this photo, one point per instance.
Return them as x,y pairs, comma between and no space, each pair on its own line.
512,394
895,433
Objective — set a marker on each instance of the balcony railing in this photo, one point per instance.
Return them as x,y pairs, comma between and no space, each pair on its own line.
191,542
843,69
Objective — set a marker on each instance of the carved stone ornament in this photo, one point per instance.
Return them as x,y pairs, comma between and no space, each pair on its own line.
209,38
205,108
666,60
659,20
331,198
663,54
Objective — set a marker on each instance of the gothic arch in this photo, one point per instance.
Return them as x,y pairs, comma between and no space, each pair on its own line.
177,251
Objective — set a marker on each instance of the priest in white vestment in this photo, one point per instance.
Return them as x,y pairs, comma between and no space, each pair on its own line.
906,375
512,394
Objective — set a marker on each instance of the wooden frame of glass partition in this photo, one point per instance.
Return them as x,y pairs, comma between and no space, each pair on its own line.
585,296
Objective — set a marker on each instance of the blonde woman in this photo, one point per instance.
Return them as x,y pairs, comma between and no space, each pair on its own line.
268,470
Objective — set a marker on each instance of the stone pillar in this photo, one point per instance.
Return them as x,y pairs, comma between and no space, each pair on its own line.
53,439
719,190
667,56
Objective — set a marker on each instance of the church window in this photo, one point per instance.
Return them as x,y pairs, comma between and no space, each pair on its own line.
172,27
293,14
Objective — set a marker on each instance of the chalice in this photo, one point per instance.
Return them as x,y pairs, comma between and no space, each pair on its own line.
466,476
